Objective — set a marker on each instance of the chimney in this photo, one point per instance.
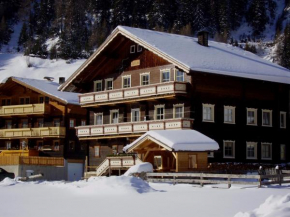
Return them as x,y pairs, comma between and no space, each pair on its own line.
61,80
203,37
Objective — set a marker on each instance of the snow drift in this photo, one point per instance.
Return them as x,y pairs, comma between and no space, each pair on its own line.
144,167
274,206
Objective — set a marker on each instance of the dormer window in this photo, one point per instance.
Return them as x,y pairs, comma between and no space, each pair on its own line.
139,48
109,84
165,75
179,75
98,86
132,49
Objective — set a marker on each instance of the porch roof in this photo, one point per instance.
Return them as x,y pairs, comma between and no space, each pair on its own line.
176,140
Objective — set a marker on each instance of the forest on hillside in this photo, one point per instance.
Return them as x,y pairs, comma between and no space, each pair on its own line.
81,26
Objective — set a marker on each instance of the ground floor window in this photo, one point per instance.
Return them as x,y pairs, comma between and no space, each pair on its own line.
210,154
283,152
266,149
229,149
97,151
157,162
56,145
8,145
251,150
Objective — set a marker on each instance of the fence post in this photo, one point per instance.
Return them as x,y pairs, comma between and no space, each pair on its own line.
260,182
278,175
229,181
174,181
201,178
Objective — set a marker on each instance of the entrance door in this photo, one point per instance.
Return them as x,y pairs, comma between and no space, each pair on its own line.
192,162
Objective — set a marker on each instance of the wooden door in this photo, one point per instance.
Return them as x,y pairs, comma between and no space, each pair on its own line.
192,161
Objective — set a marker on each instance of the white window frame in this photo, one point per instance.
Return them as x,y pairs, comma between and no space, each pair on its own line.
95,118
282,158
178,106
111,115
106,85
271,151
141,78
95,85
284,117
135,109
126,77
233,108
255,116
224,149
210,154
255,144
139,48
132,48
155,111
161,73
212,112
175,75
266,111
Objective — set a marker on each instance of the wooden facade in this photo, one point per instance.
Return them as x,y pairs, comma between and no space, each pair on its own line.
120,58
33,122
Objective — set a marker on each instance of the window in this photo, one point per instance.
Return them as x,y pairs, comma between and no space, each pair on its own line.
98,85
229,115
83,122
251,150
40,122
8,124
266,151
39,145
109,84
24,123
97,151
46,99
210,154
56,122
159,112
283,152
165,75
207,113
145,79
126,81
179,75
157,162
41,99
139,48
8,145
135,115
282,119
114,116
56,145
178,111
6,102
192,161
72,123
229,149
23,144
114,149
71,145
98,118
132,48
24,100
251,116
267,118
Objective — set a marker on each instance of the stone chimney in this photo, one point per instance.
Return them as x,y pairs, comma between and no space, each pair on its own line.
202,37
61,80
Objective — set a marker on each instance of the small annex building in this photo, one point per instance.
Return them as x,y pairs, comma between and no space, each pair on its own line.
173,150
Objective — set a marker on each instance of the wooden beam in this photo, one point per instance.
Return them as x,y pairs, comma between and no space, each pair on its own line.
110,137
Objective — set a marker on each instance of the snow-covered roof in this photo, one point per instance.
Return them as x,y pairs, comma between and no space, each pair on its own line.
217,58
177,140
48,88
185,53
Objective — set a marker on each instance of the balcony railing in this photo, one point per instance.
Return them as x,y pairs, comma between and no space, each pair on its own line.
33,132
13,110
133,127
133,92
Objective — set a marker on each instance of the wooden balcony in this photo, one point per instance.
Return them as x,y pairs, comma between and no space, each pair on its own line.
131,128
20,110
28,160
25,153
43,132
160,90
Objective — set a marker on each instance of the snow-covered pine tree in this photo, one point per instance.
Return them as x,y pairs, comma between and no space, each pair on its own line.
285,54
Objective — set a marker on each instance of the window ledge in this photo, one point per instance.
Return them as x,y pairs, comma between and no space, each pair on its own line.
208,121
267,126
266,158
251,158
229,122
229,157
252,124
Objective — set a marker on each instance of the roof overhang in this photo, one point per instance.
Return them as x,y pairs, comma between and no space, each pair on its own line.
112,36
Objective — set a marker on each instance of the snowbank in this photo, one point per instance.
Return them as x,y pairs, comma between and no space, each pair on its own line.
274,206
144,167
8,181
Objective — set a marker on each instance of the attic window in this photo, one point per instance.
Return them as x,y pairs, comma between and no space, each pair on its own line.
139,48
132,49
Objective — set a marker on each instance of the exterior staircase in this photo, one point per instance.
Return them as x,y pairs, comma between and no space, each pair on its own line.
114,163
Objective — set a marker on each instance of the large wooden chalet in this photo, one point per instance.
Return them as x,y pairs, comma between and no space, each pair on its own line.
140,80
38,126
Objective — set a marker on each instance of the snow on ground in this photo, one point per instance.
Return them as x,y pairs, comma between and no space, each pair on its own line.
130,196
139,168
16,65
